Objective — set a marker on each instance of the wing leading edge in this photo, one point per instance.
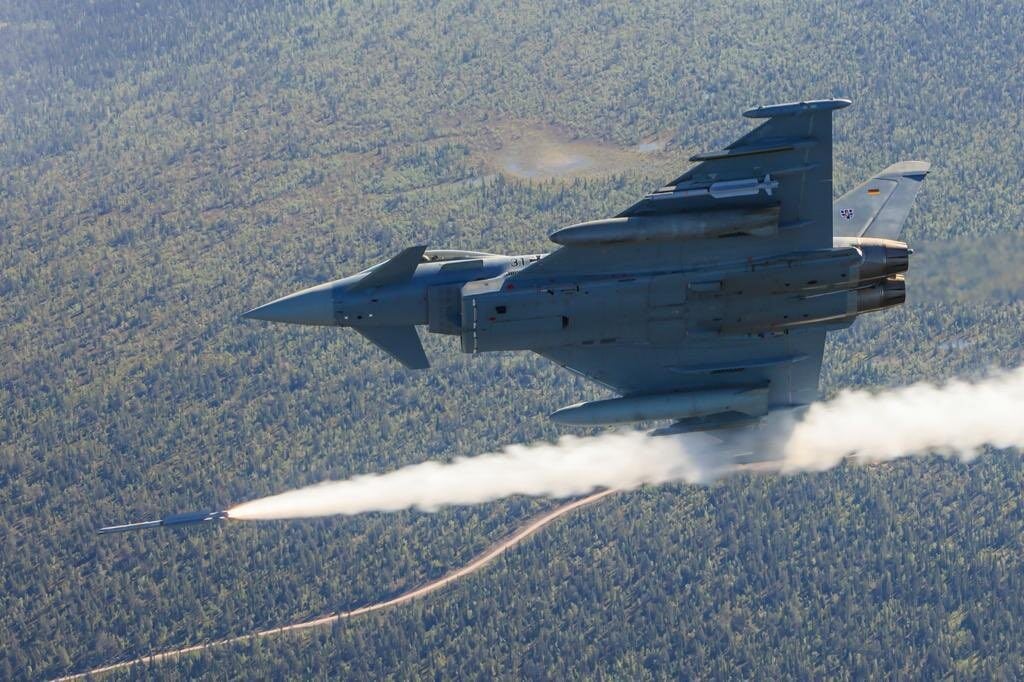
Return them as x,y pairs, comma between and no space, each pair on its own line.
768,193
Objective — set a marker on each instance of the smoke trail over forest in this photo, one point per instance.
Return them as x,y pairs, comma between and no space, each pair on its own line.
957,418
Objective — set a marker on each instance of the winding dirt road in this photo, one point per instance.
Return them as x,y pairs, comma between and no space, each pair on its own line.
473,566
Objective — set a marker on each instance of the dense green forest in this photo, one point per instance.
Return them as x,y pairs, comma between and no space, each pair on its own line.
166,166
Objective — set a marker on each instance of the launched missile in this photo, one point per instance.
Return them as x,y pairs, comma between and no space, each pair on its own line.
173,520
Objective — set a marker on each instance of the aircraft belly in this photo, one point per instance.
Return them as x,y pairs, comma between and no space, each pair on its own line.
645,311
668,290
666,332
787,363
556,315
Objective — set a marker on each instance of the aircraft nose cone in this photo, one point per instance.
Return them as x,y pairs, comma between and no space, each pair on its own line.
311,306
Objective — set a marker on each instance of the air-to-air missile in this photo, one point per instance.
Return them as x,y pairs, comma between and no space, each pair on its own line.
173,520
706,302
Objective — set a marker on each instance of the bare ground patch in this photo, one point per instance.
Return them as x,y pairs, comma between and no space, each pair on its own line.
541,152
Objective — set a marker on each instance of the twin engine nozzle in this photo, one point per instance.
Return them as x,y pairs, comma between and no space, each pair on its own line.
880,273
888,292
883,259
879,257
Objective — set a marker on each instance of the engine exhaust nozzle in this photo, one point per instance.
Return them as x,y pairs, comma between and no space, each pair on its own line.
889,292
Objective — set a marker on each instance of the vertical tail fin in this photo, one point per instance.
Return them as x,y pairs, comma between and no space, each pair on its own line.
879,207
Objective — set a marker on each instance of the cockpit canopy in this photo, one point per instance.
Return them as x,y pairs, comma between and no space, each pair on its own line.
442,255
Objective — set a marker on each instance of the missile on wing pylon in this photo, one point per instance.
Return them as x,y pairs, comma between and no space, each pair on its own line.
172,520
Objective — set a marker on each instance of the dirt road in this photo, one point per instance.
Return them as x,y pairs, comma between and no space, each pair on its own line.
475,565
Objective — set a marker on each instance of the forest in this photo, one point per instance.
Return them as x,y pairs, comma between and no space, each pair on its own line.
167,166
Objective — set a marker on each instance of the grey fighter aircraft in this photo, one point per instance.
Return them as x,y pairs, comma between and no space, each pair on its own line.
706,302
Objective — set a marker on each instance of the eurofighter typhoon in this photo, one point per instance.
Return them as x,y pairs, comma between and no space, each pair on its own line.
705,303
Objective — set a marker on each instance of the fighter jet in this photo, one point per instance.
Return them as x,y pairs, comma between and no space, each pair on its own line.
705,303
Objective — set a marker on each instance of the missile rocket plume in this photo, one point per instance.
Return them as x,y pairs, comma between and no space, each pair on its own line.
572,466
958,418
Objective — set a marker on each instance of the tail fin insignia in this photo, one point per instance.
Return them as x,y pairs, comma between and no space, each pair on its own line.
879,207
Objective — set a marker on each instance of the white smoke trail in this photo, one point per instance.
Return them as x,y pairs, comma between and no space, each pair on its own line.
572,466
957,418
